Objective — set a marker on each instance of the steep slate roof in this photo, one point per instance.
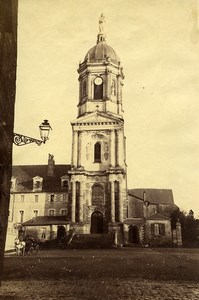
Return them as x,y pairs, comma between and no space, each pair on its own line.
26,173
154,196
133,221
158,216
46,220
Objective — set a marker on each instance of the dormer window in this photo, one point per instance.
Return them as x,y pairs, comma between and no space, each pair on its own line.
65,183
37,183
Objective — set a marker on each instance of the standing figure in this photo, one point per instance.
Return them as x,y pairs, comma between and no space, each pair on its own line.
101,23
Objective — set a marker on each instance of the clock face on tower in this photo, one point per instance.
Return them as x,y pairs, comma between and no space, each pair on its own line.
98,80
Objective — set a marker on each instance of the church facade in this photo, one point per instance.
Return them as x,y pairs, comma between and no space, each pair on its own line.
90,196
98,167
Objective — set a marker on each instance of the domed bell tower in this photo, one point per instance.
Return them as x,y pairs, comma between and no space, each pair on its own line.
100,78
98,166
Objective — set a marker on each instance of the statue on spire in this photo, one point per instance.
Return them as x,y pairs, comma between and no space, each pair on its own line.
101,24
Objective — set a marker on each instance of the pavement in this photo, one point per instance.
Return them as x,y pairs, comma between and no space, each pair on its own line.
94,289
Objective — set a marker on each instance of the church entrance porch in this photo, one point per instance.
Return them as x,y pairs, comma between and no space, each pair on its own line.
61,232
97,222
134,235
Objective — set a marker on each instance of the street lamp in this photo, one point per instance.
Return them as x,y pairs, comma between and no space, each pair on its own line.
21,140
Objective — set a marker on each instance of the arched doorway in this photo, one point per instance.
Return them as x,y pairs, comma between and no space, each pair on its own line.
97,222
133,235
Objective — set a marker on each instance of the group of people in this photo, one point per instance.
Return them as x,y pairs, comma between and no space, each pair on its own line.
28,244
20,246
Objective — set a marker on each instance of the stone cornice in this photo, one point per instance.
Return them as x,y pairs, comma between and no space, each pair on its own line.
116,171
95,123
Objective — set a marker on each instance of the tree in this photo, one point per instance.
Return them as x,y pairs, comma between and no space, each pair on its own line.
189,227
8,58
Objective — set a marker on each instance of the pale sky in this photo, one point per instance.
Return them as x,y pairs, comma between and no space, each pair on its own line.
158,44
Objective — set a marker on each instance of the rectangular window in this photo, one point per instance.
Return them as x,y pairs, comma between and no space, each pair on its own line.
158,229
65,184
63,212
64,197
162,229
52,198
22,198
35,212
36,198
21,212
51,212
37,184
43,232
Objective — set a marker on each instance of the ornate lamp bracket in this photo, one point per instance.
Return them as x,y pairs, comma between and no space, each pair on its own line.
21,140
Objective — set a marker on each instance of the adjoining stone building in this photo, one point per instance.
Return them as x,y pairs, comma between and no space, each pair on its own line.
90,196
149,212
39,196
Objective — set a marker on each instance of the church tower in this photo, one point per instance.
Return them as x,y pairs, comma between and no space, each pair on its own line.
98,166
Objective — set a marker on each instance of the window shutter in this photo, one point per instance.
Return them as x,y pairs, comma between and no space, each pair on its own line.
152,229
162,229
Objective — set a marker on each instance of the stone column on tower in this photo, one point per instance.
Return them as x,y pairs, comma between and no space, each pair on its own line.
108,80
73,207
112,201
74,148
120,147
113,148
118,88
81,201
79,150
120,202
89,96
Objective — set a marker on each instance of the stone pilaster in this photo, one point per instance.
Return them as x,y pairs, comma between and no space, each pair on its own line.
79,151
73,207
112,201
113,148
89,90
74,148
121,217
120,147
81,201
107,90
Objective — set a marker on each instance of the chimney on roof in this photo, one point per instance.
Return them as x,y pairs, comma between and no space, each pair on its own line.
51,163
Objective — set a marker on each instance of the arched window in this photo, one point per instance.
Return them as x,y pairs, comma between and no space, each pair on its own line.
97,152
98,91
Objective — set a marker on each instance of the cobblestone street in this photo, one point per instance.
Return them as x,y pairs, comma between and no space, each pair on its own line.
134,274
93,289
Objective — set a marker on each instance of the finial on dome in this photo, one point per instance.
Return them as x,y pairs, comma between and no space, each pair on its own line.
101,37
